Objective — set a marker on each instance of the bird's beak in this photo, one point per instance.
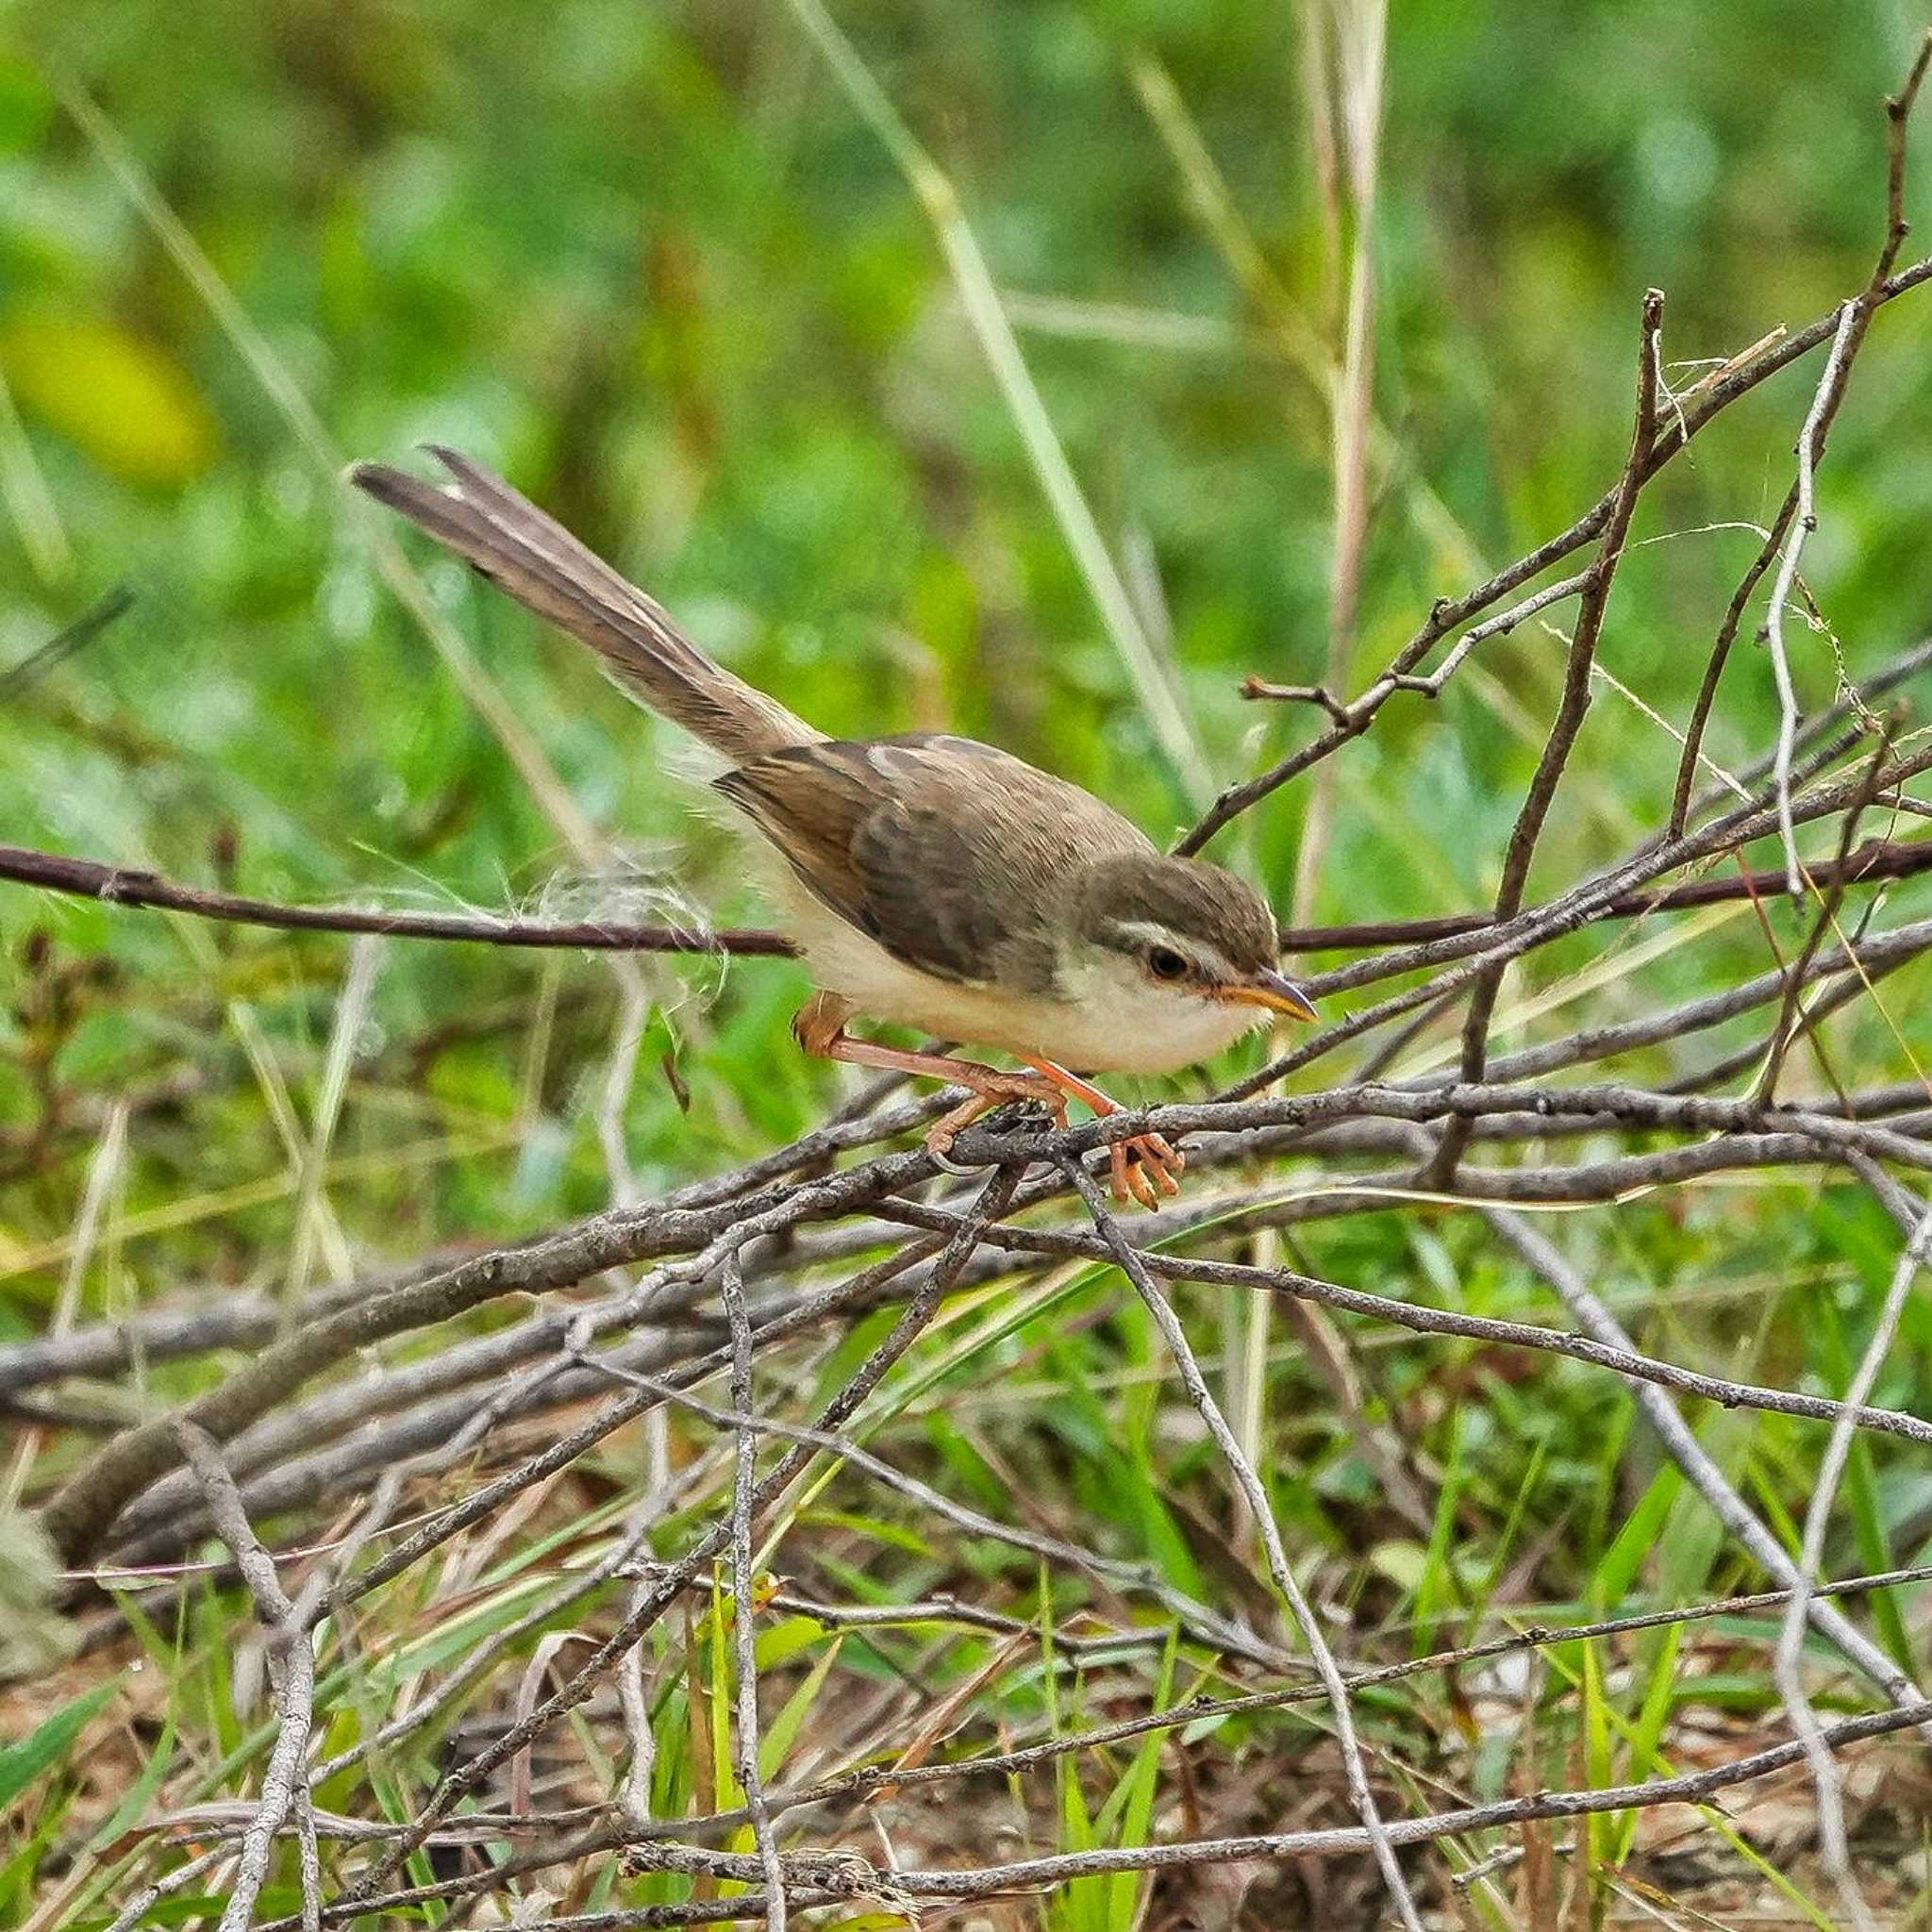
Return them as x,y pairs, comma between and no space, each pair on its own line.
1277,992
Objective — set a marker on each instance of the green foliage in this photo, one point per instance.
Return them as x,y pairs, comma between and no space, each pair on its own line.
45,1750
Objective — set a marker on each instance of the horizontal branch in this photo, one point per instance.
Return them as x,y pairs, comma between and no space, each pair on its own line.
1877,860
1029,1875
116,885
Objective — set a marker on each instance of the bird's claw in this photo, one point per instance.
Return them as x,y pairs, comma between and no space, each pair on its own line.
1142,1162
946,1164
1000,1091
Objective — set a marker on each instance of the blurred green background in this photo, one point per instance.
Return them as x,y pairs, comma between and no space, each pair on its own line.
651,261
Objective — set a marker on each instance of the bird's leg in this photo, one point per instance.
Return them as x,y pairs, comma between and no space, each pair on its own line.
819,1029
1132,1159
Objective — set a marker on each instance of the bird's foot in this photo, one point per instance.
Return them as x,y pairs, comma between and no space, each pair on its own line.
1142,1162
1139,1163
991,1089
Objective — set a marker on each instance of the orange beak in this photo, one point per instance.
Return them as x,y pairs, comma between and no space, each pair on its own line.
1274,992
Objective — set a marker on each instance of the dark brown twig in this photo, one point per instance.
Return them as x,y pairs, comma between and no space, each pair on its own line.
1783,1032
1569,720
122,886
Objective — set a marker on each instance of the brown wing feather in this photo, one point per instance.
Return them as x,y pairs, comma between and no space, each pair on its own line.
941,850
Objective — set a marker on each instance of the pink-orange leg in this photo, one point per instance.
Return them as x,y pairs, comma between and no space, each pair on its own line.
1132,1160
819,1029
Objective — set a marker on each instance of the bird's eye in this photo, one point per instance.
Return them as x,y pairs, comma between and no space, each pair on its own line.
1165,963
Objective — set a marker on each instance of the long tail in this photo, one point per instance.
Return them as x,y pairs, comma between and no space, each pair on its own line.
532,557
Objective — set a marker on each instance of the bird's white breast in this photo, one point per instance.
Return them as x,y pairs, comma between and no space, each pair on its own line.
1111,1018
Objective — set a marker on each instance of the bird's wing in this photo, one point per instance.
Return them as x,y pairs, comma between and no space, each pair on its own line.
943,851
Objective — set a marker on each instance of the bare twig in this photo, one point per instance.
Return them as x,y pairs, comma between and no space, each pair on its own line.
1831,1817
291,1660
1830,387
1703,1474
1784,1030
88,878
1262,1512
116,885
1449,613
1529,824
744,1633
1031,1874
1811,442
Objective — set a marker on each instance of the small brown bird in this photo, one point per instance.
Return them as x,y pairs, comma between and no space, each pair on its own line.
930,881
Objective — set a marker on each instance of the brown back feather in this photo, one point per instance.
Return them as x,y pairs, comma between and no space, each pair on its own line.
952,855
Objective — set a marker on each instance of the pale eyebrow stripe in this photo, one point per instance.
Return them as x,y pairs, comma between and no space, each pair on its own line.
1138,935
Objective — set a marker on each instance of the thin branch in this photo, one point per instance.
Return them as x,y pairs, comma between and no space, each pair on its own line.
291,1660
1429,687
1897,110
865,1783
1785,1030
1570,710
870,1779
1830,387
1568,913
1448,613
1720,656
1877,862
1032,1875
1262,1513
1831,1817
116,885
744,1631
88,878
1701,1472
1621,1357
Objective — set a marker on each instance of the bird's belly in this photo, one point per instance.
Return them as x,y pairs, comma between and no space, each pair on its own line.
1113,1033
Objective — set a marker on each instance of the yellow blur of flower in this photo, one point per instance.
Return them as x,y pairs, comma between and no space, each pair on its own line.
129,404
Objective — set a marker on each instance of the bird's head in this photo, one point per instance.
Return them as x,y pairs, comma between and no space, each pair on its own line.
1186,951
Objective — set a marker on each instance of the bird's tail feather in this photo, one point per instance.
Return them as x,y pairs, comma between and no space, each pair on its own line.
532,557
